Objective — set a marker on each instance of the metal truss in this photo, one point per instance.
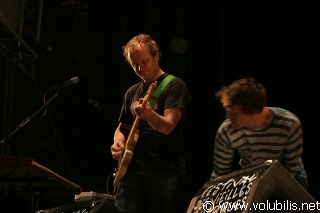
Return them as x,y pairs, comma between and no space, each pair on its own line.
19,46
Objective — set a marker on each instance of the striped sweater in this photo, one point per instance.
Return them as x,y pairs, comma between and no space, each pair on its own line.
280,139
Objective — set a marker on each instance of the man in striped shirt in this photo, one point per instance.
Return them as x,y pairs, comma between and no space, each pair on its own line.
257,132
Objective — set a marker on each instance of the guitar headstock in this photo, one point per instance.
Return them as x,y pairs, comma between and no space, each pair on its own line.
150,90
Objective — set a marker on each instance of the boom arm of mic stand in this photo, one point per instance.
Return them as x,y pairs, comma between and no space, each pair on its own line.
25,121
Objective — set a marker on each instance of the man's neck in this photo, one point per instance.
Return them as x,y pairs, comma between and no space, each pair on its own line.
259,120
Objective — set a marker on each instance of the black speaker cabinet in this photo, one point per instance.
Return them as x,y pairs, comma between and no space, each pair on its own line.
267,187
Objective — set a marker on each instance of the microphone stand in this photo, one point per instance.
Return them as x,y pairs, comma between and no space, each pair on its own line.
25,121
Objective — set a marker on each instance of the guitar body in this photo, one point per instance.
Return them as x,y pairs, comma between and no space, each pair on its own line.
123,166
126,158
130,143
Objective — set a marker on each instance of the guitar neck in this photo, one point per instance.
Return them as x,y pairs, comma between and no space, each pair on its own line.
134,132
133,135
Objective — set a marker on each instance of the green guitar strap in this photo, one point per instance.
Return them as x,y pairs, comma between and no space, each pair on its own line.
159,89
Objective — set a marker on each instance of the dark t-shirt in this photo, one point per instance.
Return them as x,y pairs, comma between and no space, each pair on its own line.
153,147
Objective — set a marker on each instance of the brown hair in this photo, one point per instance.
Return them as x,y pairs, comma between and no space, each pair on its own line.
247,94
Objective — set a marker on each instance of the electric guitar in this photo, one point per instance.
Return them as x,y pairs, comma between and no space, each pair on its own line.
131,142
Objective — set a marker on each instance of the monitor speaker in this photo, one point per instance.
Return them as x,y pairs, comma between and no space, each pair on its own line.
265,187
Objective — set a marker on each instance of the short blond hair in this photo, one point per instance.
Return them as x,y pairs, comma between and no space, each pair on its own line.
152,45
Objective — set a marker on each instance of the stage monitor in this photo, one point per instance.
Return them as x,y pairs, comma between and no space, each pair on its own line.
266,187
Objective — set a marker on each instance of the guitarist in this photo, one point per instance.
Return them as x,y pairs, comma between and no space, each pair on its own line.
152,182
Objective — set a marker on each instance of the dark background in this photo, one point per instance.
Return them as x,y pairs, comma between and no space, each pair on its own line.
277,43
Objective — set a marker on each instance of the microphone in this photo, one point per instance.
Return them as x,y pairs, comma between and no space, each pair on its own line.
73,80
